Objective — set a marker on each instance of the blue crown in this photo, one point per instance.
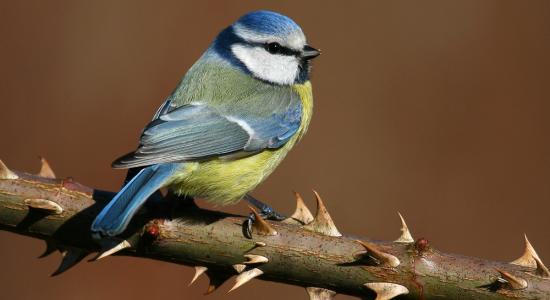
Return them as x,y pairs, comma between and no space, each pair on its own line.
268,22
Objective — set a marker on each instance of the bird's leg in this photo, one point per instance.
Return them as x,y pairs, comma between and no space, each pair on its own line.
266,212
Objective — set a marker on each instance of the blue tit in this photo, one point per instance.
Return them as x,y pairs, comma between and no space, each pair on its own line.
228,124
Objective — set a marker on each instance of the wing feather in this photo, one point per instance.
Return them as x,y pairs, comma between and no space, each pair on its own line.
200,131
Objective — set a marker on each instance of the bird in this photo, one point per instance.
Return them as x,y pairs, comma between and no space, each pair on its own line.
227,125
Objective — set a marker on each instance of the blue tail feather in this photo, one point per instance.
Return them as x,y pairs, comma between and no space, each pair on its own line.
115,217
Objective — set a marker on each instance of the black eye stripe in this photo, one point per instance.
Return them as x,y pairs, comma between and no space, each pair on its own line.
276,48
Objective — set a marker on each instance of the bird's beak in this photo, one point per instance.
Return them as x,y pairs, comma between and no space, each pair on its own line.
309,52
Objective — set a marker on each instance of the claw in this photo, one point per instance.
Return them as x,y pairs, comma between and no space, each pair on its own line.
247,230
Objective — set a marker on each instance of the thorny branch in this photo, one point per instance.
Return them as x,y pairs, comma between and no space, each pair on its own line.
303,250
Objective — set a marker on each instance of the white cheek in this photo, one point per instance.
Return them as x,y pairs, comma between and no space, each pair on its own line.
280,69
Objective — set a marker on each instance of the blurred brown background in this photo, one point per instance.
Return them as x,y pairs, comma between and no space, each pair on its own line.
436,109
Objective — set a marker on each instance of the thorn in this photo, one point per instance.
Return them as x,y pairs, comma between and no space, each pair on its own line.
322,223
516,283
261,226
45,169
385,259
528,257
6,173
245,277
110,249
316,293
199,270
70,257
255,259
211,288
542,270
260,244
386,290
45,205
302,213
51,247
406,236
239,268
216,281
531,259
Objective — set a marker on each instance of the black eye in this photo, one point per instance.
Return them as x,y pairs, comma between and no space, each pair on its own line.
273,48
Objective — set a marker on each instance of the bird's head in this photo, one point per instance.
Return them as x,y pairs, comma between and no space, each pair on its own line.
269,46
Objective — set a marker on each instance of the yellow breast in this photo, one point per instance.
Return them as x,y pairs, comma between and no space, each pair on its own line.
227,181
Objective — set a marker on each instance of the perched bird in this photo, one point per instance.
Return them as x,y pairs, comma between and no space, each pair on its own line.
228,124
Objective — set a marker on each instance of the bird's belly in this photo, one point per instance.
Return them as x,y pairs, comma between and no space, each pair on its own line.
227,181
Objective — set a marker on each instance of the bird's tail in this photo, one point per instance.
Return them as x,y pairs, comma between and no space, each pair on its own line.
114,217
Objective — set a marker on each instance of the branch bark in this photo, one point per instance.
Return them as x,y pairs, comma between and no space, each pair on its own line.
314,256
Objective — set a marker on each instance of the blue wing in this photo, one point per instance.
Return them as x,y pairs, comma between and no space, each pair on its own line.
114,217
199,131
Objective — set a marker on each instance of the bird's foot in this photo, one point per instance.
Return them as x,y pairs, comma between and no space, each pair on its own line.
266,212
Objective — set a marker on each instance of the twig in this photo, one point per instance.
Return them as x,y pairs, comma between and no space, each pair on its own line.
300,250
